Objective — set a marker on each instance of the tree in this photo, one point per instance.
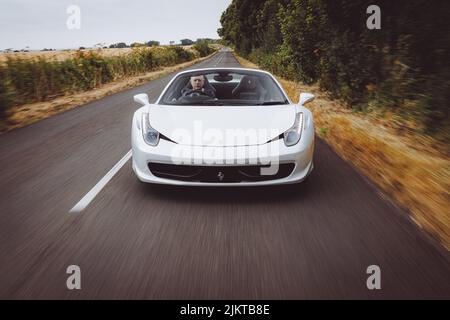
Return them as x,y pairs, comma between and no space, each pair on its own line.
119,45
186,42
403,64
152,43
208,40
203,48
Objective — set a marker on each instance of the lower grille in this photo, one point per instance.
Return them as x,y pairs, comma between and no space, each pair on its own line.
218,174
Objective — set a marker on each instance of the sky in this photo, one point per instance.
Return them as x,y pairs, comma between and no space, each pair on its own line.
39,24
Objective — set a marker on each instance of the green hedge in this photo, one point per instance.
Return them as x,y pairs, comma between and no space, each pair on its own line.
203,48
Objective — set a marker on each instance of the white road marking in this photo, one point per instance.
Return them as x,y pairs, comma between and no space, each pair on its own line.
219,59
87,199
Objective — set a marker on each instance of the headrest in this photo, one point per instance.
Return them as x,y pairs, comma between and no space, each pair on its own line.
248,83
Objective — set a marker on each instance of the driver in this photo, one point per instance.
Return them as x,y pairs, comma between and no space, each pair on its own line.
198,87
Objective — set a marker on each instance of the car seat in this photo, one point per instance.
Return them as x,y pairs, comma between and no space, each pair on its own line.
249,88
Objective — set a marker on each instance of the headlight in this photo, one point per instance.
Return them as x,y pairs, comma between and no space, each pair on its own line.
293,135
151,136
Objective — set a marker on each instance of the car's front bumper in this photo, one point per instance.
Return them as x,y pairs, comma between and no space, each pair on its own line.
300,155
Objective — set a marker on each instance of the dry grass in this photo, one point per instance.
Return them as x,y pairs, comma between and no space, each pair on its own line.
409,168
21,116
60,55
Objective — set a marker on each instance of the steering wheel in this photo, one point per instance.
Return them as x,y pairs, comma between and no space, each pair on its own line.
196,94
193,96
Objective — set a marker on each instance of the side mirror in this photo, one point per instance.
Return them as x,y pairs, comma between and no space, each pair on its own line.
306,98
141,98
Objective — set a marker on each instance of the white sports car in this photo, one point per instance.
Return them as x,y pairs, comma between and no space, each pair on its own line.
223,127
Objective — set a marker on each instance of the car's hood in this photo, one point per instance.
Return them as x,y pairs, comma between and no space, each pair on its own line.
221,126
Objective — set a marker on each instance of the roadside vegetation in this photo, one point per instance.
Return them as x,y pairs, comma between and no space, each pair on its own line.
32,80
203,48
382,95
31,85
400,71
411,169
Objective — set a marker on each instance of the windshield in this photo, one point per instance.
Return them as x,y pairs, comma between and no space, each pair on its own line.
224,88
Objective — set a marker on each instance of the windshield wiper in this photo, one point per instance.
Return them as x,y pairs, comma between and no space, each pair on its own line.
222,103
271,103
193,103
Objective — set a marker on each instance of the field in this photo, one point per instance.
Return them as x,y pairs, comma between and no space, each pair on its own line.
61,55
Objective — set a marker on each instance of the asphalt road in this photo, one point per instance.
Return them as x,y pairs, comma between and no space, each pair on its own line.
137,241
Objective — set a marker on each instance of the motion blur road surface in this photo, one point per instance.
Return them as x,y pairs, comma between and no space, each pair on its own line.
137,241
